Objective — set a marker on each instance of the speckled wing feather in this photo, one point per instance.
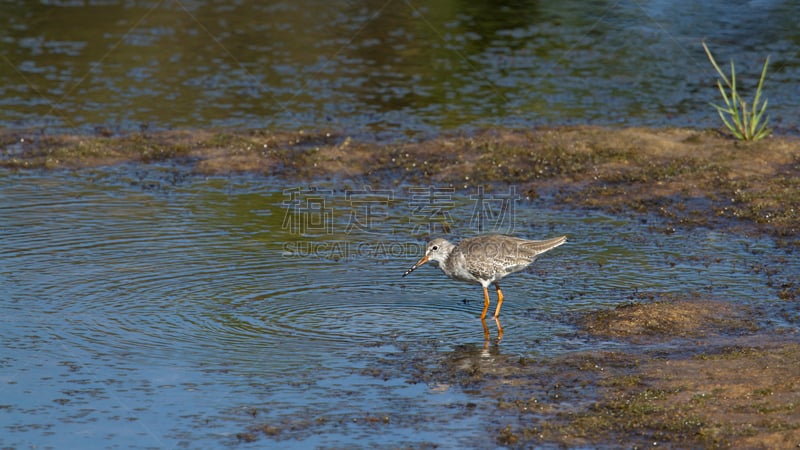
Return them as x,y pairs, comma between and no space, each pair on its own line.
495,256
538,247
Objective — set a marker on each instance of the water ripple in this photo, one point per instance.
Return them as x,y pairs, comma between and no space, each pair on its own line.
200,274
197,294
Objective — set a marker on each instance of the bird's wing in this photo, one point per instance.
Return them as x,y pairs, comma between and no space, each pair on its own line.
534,248
485,257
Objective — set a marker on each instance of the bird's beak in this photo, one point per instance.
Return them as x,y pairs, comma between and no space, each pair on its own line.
419,263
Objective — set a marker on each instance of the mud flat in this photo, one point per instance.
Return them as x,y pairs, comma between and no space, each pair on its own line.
692,177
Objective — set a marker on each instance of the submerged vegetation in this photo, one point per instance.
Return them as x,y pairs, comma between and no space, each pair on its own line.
746,122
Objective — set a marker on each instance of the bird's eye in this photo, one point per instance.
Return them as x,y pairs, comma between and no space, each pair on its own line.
435,247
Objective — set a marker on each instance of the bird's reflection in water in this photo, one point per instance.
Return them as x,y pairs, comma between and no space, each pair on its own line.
487,335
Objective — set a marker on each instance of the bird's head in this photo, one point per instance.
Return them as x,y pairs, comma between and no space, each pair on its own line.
437,251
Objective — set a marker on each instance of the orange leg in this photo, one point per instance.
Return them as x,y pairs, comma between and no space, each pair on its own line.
499,301
485,334
499,329
485,303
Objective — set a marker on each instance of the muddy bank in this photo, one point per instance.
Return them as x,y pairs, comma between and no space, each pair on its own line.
691,177
740,396
667,318
721,383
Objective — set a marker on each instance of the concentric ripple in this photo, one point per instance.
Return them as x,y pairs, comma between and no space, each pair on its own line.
183,276
200,271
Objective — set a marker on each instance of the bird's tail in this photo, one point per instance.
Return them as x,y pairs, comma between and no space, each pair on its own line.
539,247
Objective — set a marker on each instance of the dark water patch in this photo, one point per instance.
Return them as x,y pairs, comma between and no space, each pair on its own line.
385,70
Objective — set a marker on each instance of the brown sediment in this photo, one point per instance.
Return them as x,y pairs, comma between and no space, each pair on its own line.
691,177
739,392
744,397
668,318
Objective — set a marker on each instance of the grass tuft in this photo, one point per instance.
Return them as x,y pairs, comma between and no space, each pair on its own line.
746,122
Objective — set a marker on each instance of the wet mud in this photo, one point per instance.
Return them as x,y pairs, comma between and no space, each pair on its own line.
690,177
695,371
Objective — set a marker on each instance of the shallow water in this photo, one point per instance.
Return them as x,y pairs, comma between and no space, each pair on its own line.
387,68
147,307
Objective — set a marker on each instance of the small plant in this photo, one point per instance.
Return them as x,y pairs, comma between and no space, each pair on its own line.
747,123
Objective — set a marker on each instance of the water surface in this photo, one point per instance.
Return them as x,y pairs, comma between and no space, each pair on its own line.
144,306
387,68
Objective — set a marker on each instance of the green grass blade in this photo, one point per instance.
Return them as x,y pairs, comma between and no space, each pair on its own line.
760,86
745,122
763,75
763,131
724,96
714,63
734,93
763,108
728,124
